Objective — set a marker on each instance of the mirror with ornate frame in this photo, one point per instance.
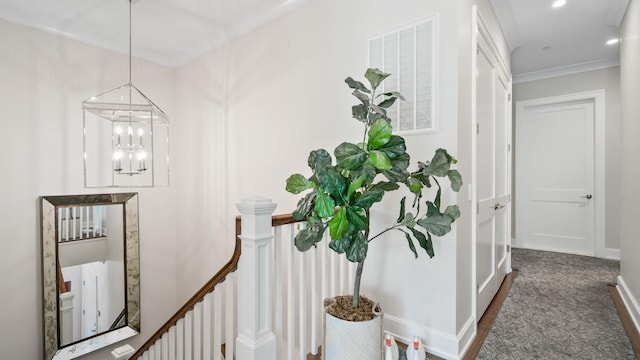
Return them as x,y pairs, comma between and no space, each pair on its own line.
91,273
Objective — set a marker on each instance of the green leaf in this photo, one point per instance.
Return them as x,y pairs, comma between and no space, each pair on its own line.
304,206
401,216
385,186
368,171
355,185
297,183
368,198
436,200
452,211
380,160
350,156
361,96
319,159
324,206
410,242
409,220
395,147
438,225
387,103
357,85
357,218
339,224
378,110
334,183
373,117
439,165
394,93
415,185
360,112
456,180
424,241
306,238
432,210
375,77
340,245
357,251
379,134
398,171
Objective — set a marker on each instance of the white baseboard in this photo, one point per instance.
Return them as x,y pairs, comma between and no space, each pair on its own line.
435,341
612,254
630,302
466,336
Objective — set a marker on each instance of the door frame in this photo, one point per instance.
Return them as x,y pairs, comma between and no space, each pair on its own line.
598,98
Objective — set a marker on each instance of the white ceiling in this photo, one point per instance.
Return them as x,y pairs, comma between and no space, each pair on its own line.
544,39
169,32
172,32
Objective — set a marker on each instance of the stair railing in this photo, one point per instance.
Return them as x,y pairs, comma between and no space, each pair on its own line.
277,313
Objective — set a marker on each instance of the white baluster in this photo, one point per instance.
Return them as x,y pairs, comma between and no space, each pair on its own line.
315,310
172,343
278,306
207,328
230,316
197,332
302,304
291,290
180,339
66,230
157,351
165,346
217,322
188,335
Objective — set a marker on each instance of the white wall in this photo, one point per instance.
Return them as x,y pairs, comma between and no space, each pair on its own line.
247,115
609,80
44,80
258,106
630,148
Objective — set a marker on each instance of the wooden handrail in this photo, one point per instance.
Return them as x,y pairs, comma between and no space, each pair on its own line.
219,277
230,266
118,319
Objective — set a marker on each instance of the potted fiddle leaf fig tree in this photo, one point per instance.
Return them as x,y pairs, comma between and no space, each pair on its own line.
340,197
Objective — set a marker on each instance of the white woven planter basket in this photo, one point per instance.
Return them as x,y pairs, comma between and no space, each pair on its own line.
361,340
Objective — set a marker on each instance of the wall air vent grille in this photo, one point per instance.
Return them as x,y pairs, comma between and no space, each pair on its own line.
409,54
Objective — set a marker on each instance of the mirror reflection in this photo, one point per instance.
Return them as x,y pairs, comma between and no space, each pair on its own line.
91,279
91,275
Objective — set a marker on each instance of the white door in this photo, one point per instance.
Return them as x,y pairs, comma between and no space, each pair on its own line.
493,185
89,303
555,176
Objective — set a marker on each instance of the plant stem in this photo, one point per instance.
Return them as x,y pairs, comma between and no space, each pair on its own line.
356,285
382,232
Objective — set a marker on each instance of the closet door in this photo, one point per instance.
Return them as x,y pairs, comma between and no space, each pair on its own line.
493,186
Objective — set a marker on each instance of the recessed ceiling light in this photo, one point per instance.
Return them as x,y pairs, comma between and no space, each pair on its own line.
559,3
613,41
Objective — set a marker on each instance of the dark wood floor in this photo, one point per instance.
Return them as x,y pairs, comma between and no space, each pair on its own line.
625,318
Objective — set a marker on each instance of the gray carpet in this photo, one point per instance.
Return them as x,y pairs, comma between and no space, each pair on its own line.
559,307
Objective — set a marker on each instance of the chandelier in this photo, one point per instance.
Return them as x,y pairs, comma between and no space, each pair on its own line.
125,138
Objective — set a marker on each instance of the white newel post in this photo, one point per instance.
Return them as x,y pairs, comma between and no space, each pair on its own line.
256,340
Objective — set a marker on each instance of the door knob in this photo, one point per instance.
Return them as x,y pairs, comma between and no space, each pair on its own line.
588,196
498,206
